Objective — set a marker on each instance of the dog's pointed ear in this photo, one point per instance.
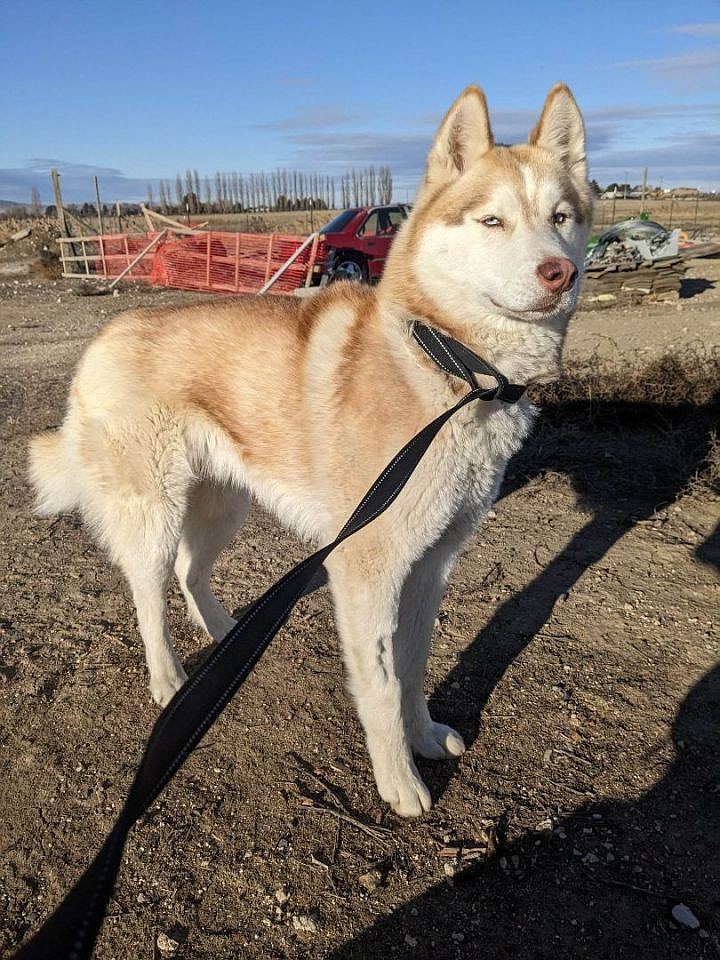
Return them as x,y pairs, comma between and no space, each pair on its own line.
560,130
463,136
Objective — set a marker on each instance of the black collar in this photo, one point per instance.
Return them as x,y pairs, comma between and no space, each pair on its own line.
459,361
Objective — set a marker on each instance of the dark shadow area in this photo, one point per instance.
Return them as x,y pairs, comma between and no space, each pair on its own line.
692,286
603,886
627,458
709,551
630,441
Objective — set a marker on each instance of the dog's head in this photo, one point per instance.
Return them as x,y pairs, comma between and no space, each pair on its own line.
500,231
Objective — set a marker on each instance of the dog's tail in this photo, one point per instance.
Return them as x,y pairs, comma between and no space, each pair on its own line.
51,475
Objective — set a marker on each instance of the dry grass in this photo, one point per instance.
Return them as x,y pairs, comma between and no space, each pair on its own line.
645,428
705,216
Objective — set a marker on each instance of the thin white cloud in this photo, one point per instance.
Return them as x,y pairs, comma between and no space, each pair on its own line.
698,29
316,117
695,71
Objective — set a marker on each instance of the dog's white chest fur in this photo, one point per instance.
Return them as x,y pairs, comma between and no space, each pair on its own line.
478,454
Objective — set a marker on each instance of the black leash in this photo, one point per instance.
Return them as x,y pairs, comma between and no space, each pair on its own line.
71,931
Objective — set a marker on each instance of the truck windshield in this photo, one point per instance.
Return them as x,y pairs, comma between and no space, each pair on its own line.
340,221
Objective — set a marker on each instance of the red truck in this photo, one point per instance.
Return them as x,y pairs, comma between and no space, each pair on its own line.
357,241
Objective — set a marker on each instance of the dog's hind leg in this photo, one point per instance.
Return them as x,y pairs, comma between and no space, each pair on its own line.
142,534
135,483
366,609
214,515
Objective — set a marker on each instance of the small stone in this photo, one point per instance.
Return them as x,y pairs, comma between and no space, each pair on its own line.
684,916
590,858
281,895
370,880
166,944
458,937
450,869
410,941
304,923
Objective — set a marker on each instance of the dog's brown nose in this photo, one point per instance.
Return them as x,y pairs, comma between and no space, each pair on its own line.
557,274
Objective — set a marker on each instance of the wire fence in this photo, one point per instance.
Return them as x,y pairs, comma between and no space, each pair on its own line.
691,214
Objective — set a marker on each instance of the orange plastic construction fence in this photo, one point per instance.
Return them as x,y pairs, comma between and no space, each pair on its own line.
210,261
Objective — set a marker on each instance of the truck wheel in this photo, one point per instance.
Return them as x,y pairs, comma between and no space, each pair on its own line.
349,267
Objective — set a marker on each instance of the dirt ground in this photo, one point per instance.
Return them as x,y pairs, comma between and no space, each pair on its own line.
576,652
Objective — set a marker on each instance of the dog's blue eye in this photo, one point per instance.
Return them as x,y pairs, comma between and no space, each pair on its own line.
491,222
559,218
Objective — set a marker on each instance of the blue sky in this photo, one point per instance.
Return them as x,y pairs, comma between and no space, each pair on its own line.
135,90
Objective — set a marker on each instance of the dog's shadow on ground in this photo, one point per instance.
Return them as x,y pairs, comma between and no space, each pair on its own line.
545,901
626,463
605,884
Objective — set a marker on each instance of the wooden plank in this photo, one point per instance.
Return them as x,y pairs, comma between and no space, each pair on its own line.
175,224
311,260
137,259
59,208
278,273
269,257
99,206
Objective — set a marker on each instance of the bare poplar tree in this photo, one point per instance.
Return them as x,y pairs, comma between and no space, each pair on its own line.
371,184
178,192
385,184
35,204
196,189
207,187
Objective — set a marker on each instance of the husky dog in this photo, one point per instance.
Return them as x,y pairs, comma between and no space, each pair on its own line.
179,416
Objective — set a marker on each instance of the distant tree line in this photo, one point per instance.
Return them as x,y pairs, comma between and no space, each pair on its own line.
277,191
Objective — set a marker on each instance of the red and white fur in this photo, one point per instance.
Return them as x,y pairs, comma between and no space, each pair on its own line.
179,417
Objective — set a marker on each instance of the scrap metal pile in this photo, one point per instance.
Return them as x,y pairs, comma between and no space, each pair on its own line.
634,260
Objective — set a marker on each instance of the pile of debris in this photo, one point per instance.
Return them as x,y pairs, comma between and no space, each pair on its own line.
634,261
631,281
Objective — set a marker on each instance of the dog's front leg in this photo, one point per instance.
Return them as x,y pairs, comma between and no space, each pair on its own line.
419,602
366,607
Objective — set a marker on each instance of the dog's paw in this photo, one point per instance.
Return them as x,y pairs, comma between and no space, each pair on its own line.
221,626
437,741
163,689
405,792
